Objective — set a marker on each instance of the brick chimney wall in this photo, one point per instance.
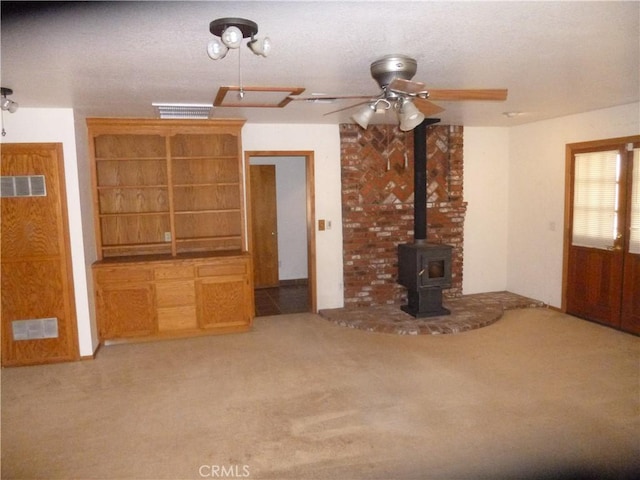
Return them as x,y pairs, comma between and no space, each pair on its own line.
377,206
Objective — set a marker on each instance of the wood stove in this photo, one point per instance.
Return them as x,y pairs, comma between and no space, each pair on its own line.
423,268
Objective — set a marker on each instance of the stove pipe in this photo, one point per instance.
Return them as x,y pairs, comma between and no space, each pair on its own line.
420,181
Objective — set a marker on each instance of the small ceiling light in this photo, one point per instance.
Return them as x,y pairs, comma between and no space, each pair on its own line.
260,46
409,115
363,116
231,32
7,104
216,49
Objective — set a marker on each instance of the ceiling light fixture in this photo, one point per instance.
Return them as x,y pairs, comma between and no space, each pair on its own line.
230,33
7,104
408,114
363,116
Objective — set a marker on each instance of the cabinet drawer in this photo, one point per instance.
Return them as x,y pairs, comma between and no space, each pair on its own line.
123,275
177,318
175,294
230,268
171,272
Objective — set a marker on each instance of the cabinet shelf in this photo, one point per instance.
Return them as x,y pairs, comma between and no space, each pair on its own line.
210,210
200,239
136,245
206,184
132,186
129,159
206,157
133,214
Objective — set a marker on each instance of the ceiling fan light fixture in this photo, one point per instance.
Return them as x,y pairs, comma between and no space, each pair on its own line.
363,116
409,115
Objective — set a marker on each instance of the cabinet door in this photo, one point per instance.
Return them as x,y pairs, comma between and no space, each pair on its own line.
223,301
126,310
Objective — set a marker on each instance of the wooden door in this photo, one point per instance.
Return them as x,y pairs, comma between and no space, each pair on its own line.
602,273
264,228
630,320
38,311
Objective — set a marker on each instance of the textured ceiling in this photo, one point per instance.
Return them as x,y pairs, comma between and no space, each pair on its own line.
117,58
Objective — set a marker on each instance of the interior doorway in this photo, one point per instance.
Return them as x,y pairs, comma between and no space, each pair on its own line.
294,228
601,280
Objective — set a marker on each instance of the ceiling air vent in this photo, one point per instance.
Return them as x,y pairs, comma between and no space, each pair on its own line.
182,110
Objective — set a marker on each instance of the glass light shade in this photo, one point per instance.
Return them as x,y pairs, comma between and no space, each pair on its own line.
363,116
5,103
13,107
232,37
260,47
410,116
216,50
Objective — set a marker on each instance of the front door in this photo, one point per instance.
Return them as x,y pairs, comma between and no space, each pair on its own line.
264,226
603,270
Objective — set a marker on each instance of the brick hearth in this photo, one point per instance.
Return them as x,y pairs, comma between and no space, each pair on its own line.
377,204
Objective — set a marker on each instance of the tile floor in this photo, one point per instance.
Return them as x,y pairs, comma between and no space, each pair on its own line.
287,298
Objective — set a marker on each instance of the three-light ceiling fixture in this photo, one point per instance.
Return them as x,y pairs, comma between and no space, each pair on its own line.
231,32
408,114
7,104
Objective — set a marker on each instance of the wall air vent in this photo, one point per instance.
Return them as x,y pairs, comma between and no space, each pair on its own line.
183,110
35,329
23,186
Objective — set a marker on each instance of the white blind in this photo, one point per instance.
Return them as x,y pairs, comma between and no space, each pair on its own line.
634,242
595,199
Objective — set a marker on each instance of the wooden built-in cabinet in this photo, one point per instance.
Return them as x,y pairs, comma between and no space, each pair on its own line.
159,297
170,228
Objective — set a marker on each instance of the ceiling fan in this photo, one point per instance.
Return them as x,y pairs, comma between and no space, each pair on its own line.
411,100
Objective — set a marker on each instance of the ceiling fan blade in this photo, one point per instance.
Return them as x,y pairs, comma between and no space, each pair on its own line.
347,108
426,107
481,94
407,86
325,98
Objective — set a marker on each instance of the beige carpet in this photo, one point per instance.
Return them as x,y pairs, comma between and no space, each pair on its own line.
536,395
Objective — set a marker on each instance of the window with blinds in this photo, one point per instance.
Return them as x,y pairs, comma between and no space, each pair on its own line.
634,239
596,194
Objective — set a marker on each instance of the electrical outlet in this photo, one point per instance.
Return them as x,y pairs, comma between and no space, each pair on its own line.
167,236
328,224
321,225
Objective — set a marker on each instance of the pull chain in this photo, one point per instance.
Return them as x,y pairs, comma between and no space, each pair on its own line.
241,91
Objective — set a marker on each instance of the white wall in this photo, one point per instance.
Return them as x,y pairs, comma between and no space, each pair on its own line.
56,125
536,194
291,200
486,165
324,141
